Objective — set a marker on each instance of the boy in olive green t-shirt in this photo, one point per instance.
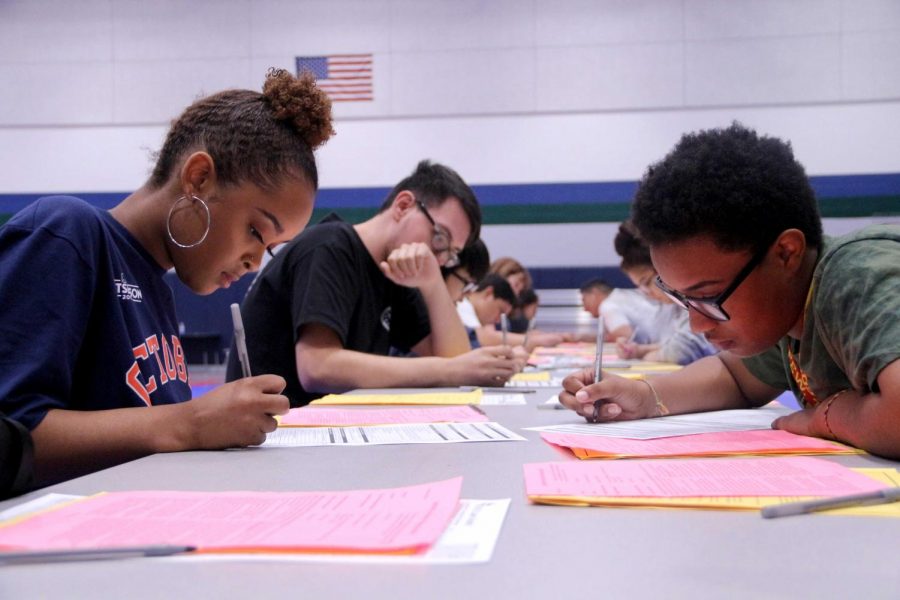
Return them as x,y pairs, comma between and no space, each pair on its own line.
736,238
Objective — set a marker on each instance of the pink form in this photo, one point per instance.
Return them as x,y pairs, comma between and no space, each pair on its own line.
390,520
316,416
701,443
703,477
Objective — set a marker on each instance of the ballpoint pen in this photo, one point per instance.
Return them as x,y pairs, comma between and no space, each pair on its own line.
598,363
240,341
512,389
527,331
807,506
504,326
53,556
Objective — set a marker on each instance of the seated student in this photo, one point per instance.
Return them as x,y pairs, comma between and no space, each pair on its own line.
735,235
16,459
96,370
474,262
669,329
513,272
482,307
527,305
626,312
326,311
481,311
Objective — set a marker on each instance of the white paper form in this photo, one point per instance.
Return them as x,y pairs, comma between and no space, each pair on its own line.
511,399
552,382
410,433
38,504
705,422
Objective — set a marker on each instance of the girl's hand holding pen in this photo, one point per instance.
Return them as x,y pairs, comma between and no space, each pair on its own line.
612,399
626,348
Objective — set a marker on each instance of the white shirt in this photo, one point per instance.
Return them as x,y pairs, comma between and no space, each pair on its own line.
634,309
467,314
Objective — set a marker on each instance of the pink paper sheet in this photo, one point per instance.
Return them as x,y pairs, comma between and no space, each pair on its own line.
701,443
388,520
324,416
771,476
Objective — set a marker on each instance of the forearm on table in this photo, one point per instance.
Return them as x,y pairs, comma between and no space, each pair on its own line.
335,371
68,443
870,422
708,384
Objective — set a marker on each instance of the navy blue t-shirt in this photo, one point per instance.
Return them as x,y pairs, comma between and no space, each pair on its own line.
86,320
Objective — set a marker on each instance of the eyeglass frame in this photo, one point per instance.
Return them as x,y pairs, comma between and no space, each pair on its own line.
468,284
440,231
701,304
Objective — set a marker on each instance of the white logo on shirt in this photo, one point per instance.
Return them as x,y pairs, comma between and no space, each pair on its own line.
127,291
386,319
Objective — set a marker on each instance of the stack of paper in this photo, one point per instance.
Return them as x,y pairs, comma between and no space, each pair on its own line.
324,416
473,397
725,443
730,484
405,520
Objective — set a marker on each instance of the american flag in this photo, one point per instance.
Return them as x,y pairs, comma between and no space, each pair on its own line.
344,77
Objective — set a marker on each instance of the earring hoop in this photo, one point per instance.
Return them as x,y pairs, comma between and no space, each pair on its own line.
169,222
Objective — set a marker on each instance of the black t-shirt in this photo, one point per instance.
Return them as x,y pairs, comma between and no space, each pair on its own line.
326,276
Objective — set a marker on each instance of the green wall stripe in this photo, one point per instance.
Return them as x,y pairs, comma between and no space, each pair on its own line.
859,206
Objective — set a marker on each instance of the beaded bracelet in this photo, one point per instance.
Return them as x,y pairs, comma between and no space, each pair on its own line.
828,404
661,409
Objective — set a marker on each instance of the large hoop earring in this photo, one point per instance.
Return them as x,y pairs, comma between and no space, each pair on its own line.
169,222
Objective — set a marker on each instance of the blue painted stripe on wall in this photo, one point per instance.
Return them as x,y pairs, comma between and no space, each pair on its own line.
603,192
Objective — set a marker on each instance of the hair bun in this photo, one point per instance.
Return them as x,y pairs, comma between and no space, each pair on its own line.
301,103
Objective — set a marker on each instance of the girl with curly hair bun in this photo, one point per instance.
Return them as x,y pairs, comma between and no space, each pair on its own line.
93,365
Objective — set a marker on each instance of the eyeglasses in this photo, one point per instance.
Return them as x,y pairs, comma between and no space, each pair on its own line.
468,284
711,306
441,240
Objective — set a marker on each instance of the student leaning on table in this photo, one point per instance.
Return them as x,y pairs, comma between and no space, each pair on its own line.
736,238
667,326
89,348
326,311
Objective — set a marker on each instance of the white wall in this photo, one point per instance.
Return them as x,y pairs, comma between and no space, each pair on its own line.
506,91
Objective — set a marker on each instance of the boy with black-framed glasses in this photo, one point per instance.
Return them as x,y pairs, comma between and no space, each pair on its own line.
736,238
327,311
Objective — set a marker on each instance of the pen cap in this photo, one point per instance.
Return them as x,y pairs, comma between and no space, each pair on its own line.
236,317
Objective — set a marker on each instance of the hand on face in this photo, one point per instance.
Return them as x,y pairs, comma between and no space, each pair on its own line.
612,399
412,265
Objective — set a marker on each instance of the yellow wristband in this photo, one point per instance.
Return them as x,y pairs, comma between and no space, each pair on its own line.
661,409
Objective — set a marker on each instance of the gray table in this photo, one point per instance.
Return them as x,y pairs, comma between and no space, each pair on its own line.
543,551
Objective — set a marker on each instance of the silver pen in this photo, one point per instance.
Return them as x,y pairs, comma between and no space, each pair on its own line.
53,556
807,506
598,364
504,326
240,340
527,331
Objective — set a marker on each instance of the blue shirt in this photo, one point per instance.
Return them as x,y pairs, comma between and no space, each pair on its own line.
86,320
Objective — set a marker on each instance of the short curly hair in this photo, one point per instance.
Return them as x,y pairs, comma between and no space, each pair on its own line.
732,185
